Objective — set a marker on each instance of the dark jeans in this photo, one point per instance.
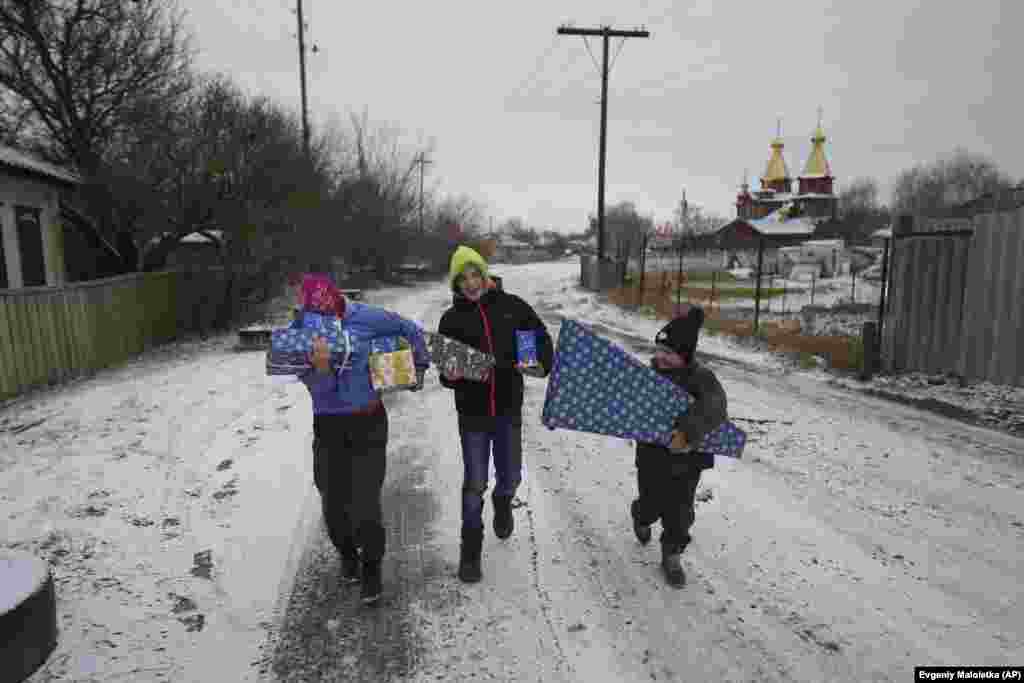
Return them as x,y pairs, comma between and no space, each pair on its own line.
505,438
667,486
349,463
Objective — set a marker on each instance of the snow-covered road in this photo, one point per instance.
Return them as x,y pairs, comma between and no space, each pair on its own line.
856,540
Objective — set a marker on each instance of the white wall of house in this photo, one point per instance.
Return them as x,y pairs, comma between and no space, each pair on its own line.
16,190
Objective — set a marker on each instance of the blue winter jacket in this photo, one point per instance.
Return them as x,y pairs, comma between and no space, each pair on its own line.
350,389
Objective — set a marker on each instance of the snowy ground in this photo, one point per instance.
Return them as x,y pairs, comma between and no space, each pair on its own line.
858,538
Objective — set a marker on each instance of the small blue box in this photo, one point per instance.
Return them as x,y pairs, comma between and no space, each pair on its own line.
526,348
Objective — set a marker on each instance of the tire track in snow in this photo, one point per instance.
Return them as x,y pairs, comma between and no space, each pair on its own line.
543,596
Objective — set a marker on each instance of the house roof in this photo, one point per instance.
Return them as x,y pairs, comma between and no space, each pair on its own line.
775,224
13,158
200,238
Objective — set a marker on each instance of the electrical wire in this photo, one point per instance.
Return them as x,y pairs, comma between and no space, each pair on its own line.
622,42
592,57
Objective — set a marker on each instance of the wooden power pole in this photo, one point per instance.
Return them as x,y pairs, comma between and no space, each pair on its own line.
605,32
302,80
421,161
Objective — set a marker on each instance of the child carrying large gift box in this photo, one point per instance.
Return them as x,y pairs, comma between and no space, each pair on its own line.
667,477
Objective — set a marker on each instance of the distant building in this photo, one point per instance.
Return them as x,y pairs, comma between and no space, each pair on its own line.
741,239
31,227
510,250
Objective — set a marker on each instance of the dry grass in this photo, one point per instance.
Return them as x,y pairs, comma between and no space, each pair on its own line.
781,335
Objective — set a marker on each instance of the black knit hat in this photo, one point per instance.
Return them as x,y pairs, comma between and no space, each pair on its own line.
680,335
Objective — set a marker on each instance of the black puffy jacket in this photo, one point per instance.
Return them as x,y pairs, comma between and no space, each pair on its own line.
709,410
490,325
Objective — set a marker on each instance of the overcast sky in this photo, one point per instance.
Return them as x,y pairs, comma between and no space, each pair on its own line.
513,112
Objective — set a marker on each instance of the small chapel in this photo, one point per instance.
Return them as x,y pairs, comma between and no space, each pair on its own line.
814,197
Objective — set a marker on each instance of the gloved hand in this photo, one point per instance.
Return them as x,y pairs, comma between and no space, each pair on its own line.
679,443
530,370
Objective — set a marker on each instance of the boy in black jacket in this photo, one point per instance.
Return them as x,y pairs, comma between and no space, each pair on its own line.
667,478
490,412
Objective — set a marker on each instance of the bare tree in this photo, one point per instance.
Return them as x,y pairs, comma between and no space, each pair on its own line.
624,229
462,211
89,70
511,226
83,81
946,182
861,210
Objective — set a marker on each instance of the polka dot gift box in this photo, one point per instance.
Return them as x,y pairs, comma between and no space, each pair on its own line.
599,388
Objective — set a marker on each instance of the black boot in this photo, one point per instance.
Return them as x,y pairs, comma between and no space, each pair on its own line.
469,555
671,564
350,565
642,531
371,582
503,521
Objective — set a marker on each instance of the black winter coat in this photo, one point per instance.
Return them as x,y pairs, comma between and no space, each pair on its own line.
707,412
490,325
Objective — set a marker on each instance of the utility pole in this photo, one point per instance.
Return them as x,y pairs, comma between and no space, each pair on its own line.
421,161
684,211
302,80
605,32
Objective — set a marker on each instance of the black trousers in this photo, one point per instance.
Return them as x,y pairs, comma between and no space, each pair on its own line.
667,486
349,464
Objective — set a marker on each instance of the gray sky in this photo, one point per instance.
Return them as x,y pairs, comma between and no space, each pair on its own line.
901,82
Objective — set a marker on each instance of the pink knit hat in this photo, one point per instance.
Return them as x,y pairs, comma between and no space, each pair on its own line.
321,295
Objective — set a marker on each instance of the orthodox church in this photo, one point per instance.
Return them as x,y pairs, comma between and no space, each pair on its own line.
814,197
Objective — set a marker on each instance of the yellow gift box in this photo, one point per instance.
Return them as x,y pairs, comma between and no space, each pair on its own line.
392,370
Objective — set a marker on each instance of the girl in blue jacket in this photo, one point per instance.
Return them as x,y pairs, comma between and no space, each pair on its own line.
350,428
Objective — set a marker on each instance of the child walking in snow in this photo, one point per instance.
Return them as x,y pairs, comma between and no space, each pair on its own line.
350,429
667,478
490,412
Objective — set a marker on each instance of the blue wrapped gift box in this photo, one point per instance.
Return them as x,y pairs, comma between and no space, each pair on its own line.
728,440
289,348
526,348
597,387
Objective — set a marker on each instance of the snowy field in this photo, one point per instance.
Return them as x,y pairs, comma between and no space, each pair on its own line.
857,539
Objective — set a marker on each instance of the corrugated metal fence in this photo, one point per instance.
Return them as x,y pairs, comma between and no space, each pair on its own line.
48,334
956,299
992,337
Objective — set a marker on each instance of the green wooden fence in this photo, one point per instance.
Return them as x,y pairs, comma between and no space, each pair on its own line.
50,334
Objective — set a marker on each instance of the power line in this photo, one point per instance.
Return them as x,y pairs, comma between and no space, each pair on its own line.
622,43
592,57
